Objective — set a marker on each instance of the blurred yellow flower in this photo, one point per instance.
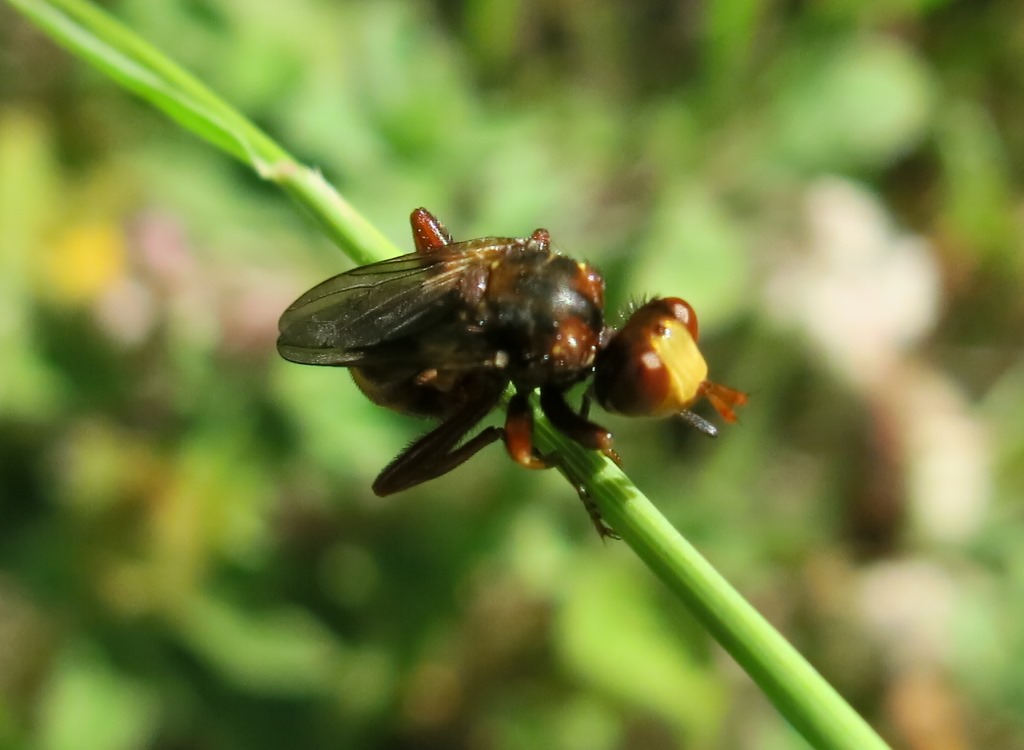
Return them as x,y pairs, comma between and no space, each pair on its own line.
85,260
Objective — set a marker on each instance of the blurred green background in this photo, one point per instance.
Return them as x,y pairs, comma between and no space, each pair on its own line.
190,554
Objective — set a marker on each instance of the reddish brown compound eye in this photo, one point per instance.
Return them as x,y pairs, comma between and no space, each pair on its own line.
683,312
651,367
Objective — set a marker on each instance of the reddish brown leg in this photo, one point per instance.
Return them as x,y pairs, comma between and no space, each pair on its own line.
519,433
587,434
583,431
435,453
428,233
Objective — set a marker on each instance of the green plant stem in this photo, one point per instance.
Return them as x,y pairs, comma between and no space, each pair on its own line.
93,35
796,689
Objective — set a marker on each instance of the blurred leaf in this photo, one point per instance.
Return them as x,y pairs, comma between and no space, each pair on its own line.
28,193
262,47
978,195
729,31
213,505
878,11
412,84
857,105
694,250
102,465
339,428
90,705
587,724
494,30
521,154
283,651
650,668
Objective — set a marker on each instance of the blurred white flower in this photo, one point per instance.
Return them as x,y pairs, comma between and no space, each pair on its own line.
863,292
909,607
126,311
947,454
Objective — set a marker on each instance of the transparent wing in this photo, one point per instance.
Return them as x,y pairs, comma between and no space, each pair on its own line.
401,310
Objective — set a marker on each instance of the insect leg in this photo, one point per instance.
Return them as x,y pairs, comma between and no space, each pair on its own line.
586,402
583,431
428,233
436,453
603,529
519,433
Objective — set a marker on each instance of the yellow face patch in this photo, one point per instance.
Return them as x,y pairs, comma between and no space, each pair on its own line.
685,365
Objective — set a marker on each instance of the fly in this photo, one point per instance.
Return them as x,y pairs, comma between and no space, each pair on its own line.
441,333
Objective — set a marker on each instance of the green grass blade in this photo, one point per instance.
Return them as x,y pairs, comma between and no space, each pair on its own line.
796,689
94,36
135,65
799,692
